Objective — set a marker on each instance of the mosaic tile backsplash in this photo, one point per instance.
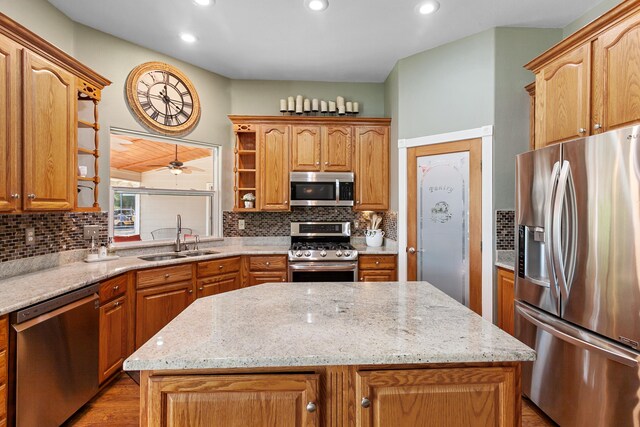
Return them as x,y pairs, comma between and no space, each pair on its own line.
55,232
278,223
505,231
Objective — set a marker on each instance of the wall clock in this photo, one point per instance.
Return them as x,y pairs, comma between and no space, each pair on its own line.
163,98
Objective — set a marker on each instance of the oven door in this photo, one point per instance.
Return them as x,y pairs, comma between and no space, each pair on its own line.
323,271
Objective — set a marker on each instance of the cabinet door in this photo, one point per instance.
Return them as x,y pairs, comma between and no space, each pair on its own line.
156,306
438,397
616,84
372,168
259,277
274,168
49,123
10,123
305,148
563,97
233,400
377,275
219,284
505,300
114,327
336,149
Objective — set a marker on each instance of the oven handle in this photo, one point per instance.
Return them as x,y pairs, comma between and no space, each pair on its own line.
322,266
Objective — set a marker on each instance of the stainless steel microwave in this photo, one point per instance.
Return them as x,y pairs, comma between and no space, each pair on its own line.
321,188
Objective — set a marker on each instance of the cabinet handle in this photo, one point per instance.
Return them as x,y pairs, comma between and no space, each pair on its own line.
221,267
15,196
365,403
166,276
190,291
117,303
311,407
268,263
116,287
597,126
201,289
582,130
31,196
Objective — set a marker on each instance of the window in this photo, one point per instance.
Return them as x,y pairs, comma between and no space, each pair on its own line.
153,179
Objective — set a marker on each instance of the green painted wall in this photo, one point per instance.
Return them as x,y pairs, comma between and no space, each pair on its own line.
391,107
592,14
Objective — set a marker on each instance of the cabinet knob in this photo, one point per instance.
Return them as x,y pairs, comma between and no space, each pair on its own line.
15,196
268,263
166,276
317,163
326,163
221,267
117,303
582,130
311,407
201,289
357,202
362,279
365,403
31,196
190,291
377,262
286,202
597,126
116,287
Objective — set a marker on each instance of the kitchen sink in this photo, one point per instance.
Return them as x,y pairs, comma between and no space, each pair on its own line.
161,257
200,253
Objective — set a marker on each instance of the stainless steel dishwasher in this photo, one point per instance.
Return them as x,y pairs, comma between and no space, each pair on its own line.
56,357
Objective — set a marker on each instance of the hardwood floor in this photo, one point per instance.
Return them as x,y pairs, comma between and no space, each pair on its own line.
119,404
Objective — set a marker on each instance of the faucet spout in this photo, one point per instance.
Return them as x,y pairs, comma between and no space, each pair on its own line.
178,232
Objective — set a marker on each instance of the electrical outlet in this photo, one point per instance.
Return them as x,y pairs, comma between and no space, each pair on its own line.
30,236
91,231
356,224
241,224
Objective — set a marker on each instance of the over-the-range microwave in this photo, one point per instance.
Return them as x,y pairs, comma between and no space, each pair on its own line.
321,188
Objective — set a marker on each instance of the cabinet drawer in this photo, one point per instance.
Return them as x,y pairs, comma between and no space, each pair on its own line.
4,334
377,262
218,266
268,263
113,288
161,276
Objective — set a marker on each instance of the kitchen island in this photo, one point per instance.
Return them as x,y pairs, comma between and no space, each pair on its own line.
330,354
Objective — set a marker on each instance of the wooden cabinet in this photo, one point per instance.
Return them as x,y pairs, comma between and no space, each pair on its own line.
372,168
233,400
305,148
115,326
377,268
590,82
10,117
506,300
161,294
337,148
274,167
321,148
218,276
260,269
246,167
438,397
4,362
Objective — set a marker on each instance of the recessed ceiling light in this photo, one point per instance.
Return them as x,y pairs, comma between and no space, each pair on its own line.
189,38
317,5
203,2
428,7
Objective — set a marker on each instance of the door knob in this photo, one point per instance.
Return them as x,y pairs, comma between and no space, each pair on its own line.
365,402
311,407
411,250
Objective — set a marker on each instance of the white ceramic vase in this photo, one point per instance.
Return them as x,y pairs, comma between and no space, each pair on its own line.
374,237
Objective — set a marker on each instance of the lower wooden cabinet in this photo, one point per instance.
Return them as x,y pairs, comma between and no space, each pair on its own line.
506,294
218,276
377,268
4,345
233,401
114,332
438,397
260,269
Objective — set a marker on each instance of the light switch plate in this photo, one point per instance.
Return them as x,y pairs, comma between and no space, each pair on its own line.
241,224
30,236
91,231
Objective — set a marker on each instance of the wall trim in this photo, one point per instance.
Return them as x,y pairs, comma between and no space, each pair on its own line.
486,134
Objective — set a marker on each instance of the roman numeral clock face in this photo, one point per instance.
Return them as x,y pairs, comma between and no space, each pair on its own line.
163,98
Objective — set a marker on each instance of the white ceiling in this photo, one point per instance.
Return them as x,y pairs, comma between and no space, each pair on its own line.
352,41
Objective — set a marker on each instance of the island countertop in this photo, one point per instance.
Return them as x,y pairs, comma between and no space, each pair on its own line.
316,324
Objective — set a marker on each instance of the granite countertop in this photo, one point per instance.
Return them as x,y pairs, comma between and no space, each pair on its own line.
313,324
506,259
24,290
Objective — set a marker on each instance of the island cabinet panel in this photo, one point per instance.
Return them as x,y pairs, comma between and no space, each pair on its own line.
9,122
274,168
49,126
377,268
4,345
506,308
372,168
305,148
438,397
233,401
337,149
114,332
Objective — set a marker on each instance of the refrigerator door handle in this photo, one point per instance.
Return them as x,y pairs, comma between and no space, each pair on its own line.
558,263
568,333
548,229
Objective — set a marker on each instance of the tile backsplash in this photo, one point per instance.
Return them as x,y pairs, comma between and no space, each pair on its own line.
278,223
505,231
55,232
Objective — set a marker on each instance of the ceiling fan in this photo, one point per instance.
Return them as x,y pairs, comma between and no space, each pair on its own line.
176,167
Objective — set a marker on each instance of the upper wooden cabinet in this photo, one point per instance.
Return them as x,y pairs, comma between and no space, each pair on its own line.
305,148
321,148
337,149
372,168
39,88
590,82
274,170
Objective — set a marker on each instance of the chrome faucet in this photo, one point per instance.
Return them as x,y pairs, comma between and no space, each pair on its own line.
178,232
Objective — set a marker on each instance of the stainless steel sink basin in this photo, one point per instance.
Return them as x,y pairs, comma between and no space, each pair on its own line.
161,257
200,252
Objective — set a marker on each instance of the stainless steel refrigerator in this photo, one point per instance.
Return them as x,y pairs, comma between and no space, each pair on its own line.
578,278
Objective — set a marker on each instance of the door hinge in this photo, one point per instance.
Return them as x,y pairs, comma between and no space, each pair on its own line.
480,245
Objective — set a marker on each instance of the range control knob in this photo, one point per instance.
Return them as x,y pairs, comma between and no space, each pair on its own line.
298,254
347,253
338,253
307,253
323,253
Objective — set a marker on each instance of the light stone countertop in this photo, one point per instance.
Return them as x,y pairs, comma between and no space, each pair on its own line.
506,259
21,291
315,324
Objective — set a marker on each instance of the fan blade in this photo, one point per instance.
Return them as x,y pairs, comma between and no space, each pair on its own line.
195,169
156,166
185,170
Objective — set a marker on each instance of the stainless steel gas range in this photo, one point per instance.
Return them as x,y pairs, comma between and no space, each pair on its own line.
322,252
